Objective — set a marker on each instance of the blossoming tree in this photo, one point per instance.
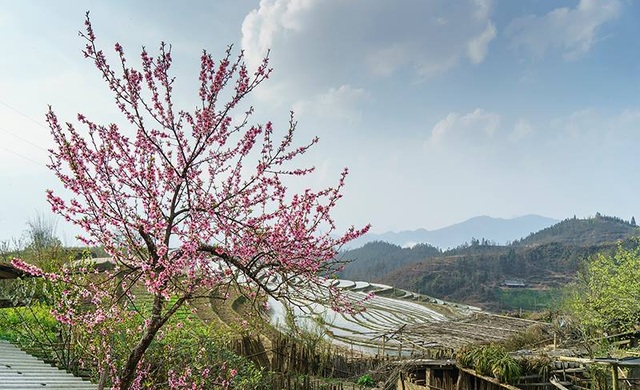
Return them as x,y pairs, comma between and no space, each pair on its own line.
186,201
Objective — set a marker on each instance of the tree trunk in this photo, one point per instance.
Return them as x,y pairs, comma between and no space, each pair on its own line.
129,370
128,373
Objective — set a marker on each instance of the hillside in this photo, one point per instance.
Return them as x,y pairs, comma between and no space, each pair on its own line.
473,273
588,231
375,260
475,277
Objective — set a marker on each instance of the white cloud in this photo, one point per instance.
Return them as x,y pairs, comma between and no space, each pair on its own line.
573,31
590,146
482,9
385,60
478,46
578,124
628,117
521,130
261,26
468,128
337,103
591,129
315,43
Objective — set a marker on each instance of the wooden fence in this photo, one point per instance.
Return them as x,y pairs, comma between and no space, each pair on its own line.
299,366
288,355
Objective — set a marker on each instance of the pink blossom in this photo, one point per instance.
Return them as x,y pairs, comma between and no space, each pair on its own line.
210,188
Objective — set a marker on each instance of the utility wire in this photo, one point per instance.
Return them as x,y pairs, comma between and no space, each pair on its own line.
22,156
23,139
23,114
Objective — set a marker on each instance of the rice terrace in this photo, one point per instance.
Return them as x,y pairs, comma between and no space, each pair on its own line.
397,321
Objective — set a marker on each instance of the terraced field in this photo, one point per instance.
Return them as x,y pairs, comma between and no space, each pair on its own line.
398,321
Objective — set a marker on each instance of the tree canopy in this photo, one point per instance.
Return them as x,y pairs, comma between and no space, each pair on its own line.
606,295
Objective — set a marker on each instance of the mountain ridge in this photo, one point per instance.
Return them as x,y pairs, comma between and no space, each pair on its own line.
497,230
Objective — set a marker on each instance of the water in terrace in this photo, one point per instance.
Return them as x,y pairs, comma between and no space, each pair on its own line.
387,311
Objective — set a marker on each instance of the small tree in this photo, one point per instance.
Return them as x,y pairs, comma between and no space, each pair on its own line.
185,201
42,240
605,297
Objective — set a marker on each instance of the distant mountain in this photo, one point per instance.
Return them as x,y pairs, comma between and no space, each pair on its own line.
496,230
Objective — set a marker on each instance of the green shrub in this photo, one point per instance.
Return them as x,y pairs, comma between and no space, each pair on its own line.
198,347
506,369
537,365
366,381
490,360
526,299
529,338
29,325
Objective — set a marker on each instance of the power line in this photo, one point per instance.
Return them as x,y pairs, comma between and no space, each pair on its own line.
22,156
23,114
22,139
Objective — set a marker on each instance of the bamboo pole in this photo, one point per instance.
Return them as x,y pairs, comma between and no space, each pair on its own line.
475,375
614,376
557,384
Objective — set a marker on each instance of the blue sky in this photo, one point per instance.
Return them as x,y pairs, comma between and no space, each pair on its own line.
442,110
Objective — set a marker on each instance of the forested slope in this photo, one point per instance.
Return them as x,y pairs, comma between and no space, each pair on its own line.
376,260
